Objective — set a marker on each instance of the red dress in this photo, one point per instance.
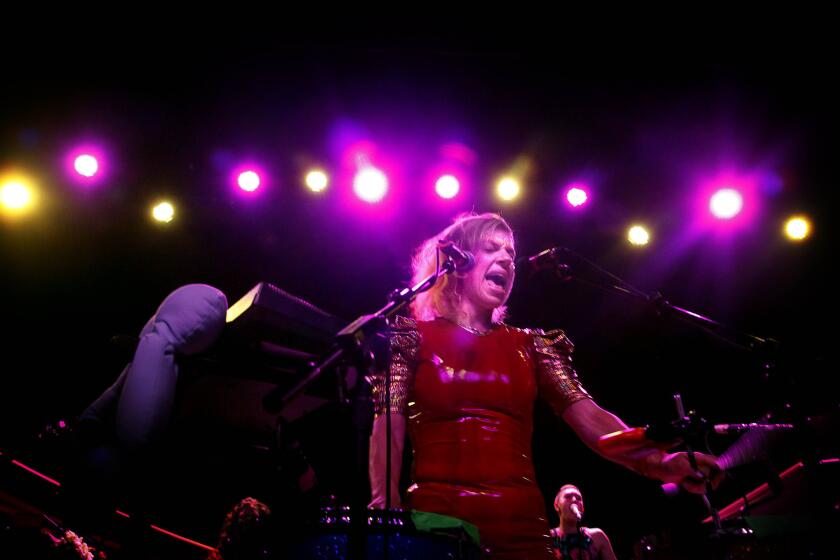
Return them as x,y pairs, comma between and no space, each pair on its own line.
469,400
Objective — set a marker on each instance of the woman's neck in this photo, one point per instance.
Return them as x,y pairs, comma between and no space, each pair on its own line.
469,316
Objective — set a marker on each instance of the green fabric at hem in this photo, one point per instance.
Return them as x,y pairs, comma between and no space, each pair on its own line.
434,522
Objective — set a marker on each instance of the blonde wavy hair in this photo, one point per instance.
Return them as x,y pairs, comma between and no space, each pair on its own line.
467,232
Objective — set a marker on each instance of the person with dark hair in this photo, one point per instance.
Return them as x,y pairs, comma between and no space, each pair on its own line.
246,533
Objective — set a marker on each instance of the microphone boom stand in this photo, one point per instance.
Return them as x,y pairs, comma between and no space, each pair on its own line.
351,344
559,259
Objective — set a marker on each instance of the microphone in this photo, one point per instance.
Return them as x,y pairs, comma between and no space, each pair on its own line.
550,259
741,428
464,260
576,511
540,261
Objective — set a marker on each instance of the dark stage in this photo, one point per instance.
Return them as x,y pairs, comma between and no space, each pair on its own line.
649,129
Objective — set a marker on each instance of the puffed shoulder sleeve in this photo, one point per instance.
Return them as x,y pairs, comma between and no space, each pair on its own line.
403,344
557,381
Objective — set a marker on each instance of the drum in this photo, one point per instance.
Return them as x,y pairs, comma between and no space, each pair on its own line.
391,534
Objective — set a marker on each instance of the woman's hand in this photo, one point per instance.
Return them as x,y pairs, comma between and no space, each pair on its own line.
676,468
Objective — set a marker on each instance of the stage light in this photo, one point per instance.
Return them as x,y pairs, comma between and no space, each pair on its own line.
86,165
726,203
798,228
370,184
447,186
248,181
163,212
316,180
638,235
576,196
508,189
17,195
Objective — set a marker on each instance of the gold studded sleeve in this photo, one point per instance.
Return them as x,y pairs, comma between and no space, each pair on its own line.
557,381
404,343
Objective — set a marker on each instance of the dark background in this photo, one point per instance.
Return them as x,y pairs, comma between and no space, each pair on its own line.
643,114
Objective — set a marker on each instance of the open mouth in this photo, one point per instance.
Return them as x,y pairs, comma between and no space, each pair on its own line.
498,279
